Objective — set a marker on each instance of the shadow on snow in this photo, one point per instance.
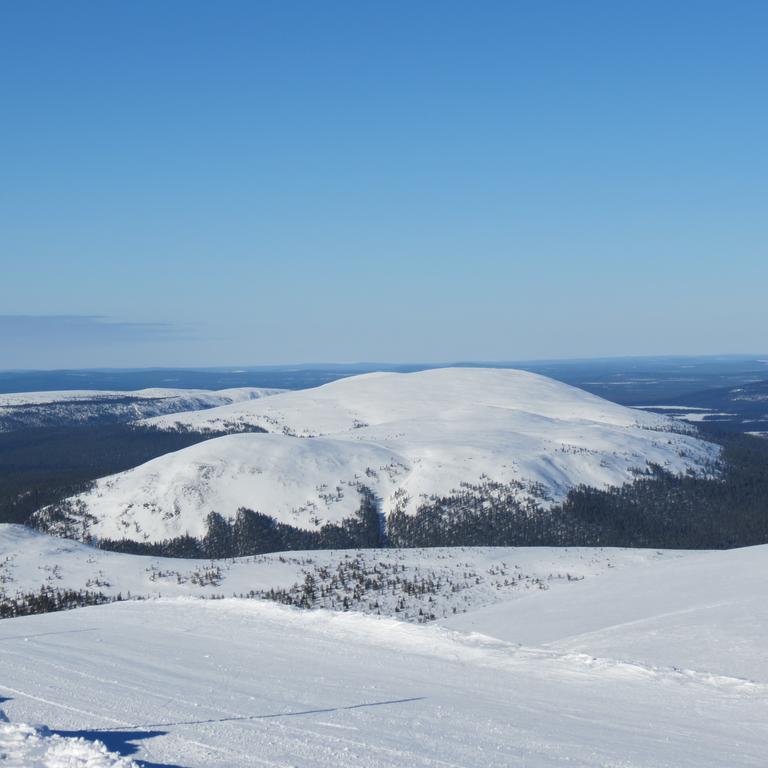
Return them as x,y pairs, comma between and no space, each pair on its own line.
120,741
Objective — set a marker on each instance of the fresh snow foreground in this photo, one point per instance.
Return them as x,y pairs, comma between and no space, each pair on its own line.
22,746
660,665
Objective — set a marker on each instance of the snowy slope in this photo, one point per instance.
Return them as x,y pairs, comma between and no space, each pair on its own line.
39,409
444,394
706,611
405,436
643,659
211,398
465,578
230,683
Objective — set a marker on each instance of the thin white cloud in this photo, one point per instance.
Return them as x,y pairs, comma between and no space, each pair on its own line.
83,330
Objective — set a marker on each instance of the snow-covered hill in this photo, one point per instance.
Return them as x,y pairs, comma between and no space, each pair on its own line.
407,437
47,409
454,396
412,584
627,678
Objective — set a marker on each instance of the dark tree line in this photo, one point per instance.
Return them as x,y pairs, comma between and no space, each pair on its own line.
45,465
48,600
663,511
254,533
660,510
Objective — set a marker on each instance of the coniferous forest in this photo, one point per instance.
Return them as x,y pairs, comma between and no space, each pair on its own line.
662,511
44,465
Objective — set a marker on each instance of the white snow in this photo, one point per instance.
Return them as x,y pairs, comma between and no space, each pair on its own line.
706,611
469,577
23,746
405,436
701,417
643,659
38,409
447,394
214,397
627,678
671,408
688,413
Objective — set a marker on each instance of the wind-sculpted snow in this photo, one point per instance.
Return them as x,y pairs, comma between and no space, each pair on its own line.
27,410
406,437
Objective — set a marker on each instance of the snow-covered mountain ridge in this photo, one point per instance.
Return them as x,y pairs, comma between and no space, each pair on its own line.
407,437
450,395
44,409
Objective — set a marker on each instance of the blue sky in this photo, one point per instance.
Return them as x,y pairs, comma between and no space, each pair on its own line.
197,183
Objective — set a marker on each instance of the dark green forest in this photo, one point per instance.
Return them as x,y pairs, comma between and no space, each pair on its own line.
662,510
48,600
254,533
44,465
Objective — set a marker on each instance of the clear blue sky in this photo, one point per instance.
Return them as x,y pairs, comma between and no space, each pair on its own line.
215,183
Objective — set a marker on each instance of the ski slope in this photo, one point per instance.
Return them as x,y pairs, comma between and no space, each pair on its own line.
706,611
231,683
643,659
407,437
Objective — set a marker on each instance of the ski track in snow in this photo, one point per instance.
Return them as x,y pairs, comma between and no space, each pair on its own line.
191,683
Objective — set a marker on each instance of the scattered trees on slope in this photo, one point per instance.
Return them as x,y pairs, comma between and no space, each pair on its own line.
254,533
45,465
48,600
663,510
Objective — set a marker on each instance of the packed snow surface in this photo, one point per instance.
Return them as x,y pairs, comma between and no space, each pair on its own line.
407,437
623,676
706,611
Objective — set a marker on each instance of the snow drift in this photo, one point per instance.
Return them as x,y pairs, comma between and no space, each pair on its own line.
23,746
